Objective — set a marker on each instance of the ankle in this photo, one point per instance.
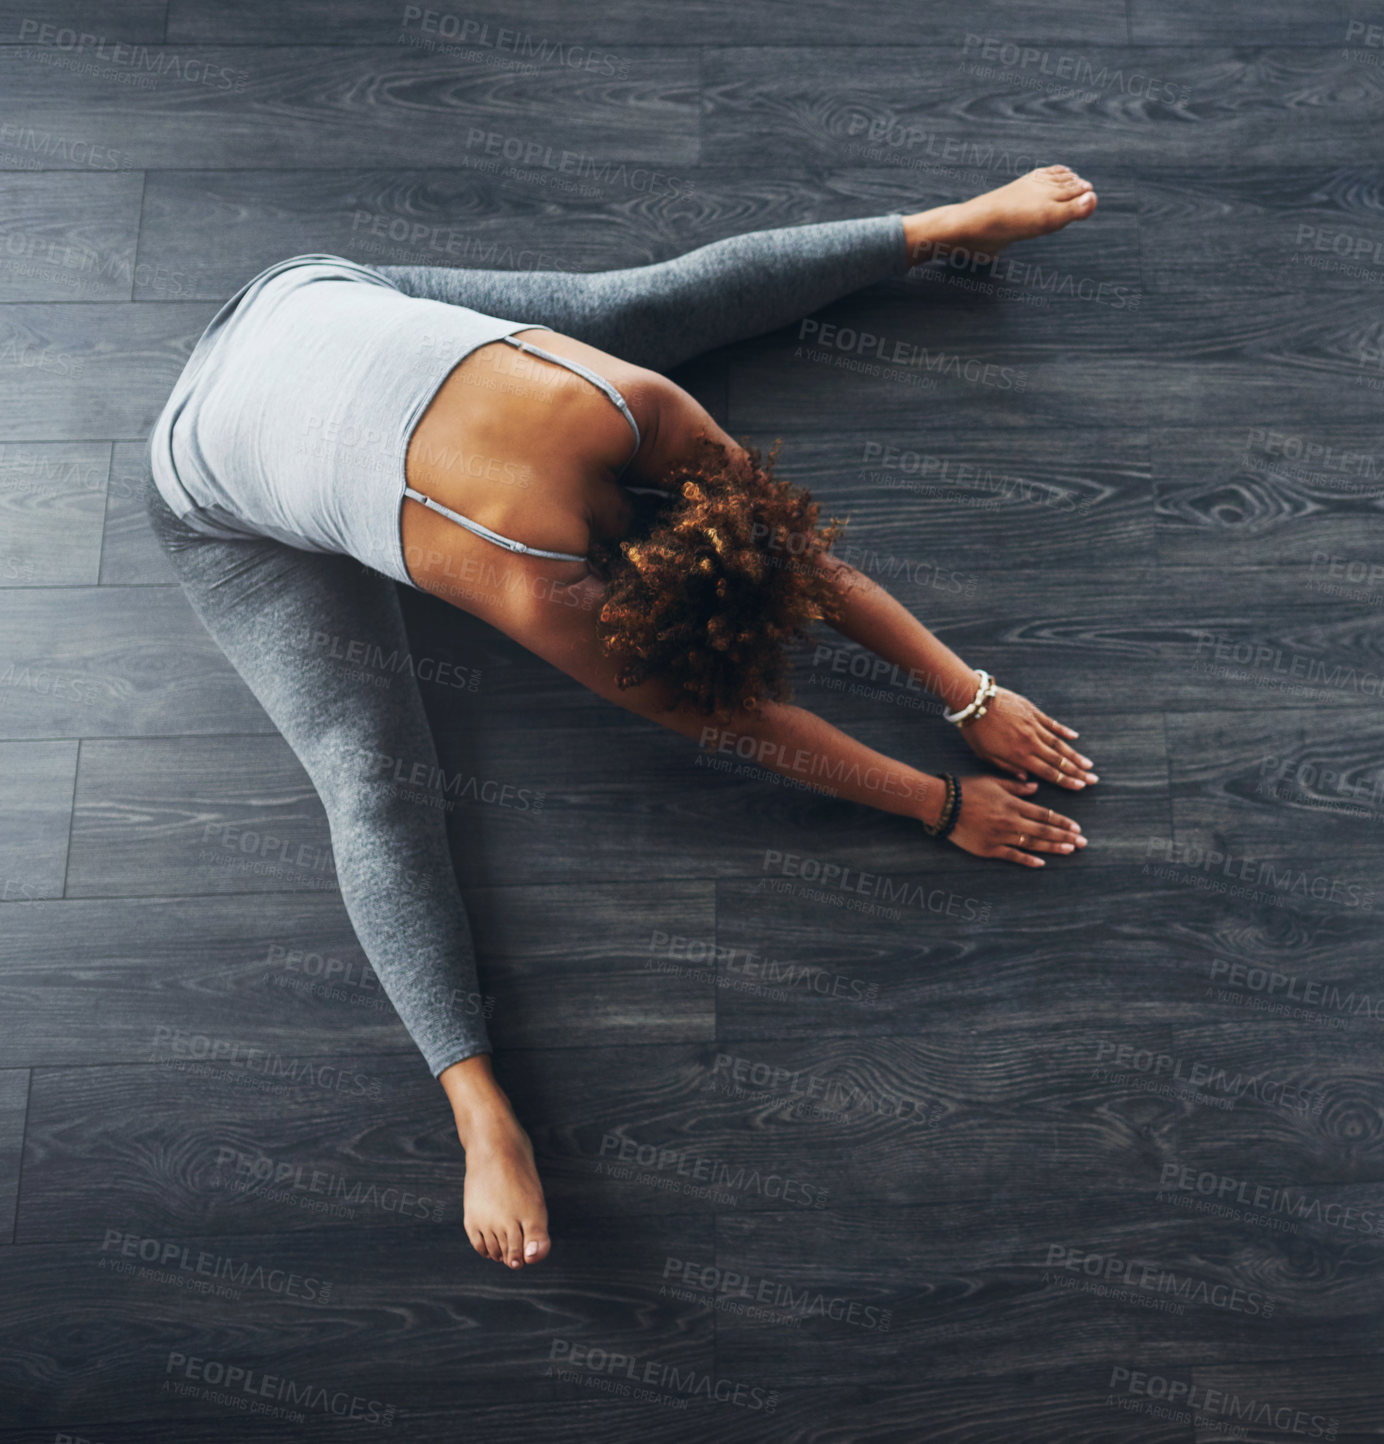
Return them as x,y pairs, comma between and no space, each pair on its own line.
479,1104
487,1125
925,230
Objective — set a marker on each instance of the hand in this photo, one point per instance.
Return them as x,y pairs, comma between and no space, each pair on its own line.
996,820
1017,737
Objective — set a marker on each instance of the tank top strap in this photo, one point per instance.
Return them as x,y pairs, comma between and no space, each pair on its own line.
591,376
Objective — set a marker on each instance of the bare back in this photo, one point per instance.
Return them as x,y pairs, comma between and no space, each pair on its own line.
531,450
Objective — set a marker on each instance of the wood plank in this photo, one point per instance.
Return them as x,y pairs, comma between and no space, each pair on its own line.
103,981
14,1105
227,814
1221,1285
1306,1112
1340,1394
39,779
543,32
102,661
1277,23
473,1333
639,1134
1266,495
1283,359
265,105
1261,228
92,370
71,236
1270,787
130,551
915,107
52,498
1179,639
128,20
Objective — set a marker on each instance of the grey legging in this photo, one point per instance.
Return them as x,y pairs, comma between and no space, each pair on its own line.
259,597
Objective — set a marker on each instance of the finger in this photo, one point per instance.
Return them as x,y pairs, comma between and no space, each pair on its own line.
1052,770
1012,854
1047,816
1018,789
1043,844
1062,757
1032,830
1058,726
1070,753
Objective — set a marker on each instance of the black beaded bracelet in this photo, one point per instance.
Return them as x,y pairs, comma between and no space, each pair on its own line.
951,807
950,822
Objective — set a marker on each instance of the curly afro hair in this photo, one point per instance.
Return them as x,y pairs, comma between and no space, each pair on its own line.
714,580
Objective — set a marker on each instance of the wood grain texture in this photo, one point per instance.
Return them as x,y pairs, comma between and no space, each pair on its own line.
70,237
14,1105
52,499
38,815
1274,786
130,552
1263,228
217,814
102,980
232,106
1275,23
919,107
1271,494
460,1347
89,661
544,32
129,20
1284,358
92,370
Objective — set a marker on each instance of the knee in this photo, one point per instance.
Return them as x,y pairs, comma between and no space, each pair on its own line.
373,794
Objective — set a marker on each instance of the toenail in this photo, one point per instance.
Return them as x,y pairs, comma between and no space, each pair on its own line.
530,1249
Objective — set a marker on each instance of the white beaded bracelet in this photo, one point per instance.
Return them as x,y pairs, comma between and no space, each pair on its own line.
976,707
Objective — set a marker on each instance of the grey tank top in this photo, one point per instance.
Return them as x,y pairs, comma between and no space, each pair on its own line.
292,416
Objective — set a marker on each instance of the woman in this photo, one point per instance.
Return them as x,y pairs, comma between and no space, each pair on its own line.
333,414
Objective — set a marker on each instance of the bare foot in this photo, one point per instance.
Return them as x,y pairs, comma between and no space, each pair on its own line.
504,1213
1043,200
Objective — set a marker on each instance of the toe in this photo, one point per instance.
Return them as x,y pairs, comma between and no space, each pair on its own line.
536,1243
1071,185
493,1249
513,1242
478,1242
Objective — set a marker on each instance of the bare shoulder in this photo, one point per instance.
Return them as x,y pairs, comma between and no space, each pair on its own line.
679,422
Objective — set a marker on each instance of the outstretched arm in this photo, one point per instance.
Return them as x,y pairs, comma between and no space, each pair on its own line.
1013,734
876,619
790,740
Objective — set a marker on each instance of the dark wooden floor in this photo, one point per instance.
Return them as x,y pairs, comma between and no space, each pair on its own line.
1091,1153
